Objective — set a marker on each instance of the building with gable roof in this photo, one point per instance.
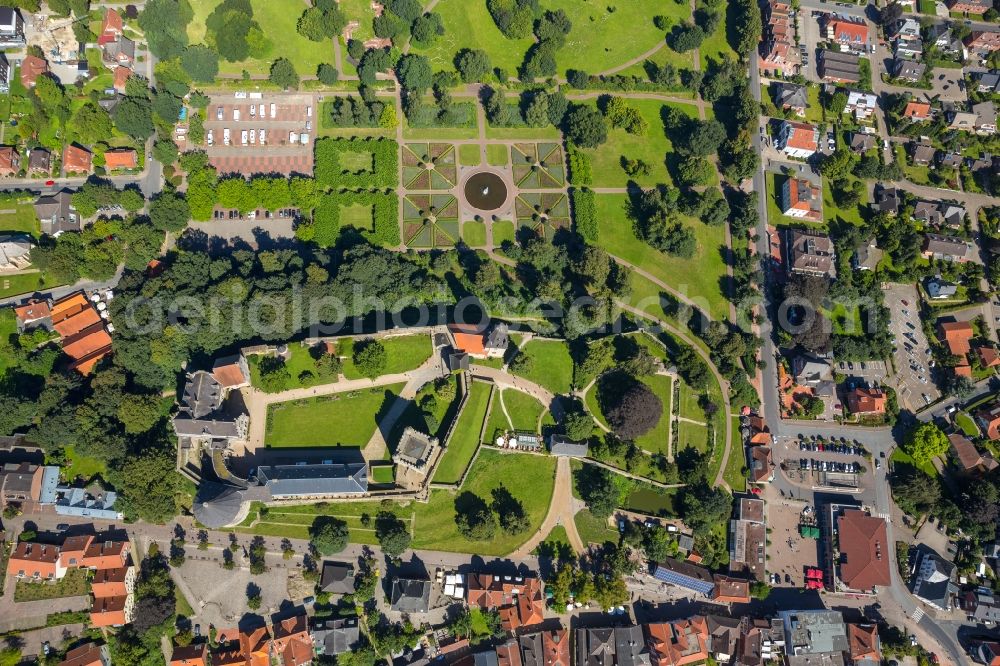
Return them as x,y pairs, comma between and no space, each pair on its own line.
678,642
797,139
518,598
545,648
865,647
860,561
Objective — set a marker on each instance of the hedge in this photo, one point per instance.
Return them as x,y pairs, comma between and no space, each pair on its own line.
385,213
579,166
330,174
585,213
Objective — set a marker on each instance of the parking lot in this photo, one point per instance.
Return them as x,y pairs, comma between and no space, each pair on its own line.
810,37
871,372
789,553
912,359
826,464
252,133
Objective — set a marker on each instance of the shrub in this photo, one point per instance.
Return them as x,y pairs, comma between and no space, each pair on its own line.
585,213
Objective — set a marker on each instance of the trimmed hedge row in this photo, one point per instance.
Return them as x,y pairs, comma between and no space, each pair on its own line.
330,173
585,213
385,217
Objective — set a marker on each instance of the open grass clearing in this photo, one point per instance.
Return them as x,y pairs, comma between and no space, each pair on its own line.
474,233
348,419
900,457
402,352
75,583
593,529
700,277
733,474
530,479
497,154
966,425
469,154
79,465
465,438
524,410
302,369
551,365
690,434
19,218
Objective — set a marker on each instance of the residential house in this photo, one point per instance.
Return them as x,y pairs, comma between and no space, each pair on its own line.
967,457
88,654
934,579
988,418
861,563
755,432
15,252
337,578
810,253
986,117
809,370
545,648
911,48
478,342
797,139
988,652
195,654
987,82
956,336
518,598
947,248
867,256
56,212
410,595
921,153
4,74
677,642
948,160
981,605
686,575
982,41
11,28
938,288
291,644
33,314
917,111
243,647
20,482
952,215
800,198
85,340
111,27
851,33
963,121
905,26
907,70
791,97
969,6
865,647
31,68
928,212
729,590
861,142
887,200
77,159
838,67
611,646
748,540
121,158
777,54
119,53
10,161
39,162
333,636
122,75
861,104
866,401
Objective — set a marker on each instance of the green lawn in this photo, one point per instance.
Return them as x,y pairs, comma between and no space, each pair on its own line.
594,407
474,233
468,154
690,434
699,277
832,213
346,419
503,230
497,422
551,366
19,218
301,366
383,474
360,11
524,410
78,465
403,353
656,440
277,20
593,529
497,154
716,45
294,521
654,147
606,34
966,424
8,327
901,457
734,466
465,437
530,479
689,407
24,283
468,25
527,133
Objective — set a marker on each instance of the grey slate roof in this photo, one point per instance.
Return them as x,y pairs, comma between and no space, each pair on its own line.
791,95
337,578
216,504
560,445
630,647
56,212
908,69
336,635
202,394
314,479
410,596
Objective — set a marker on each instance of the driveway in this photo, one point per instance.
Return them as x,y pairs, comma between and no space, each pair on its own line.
810,37
911,358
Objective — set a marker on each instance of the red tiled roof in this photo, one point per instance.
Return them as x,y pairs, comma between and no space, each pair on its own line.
84,655
864,550
123,158
863,640
31,68
988,356
190,655
917,110
122,75
802,136
77,159
32,311
111,28
866,401
468,339
956,335
678,642
848,31
108,611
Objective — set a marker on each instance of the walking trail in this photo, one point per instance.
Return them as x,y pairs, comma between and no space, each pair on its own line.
561,512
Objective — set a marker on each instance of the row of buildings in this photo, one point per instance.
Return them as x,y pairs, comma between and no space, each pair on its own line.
80,321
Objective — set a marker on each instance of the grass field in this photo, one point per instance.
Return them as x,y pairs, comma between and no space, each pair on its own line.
497,154
383,474
699,277
551,365
606,35
278,21
733,474
901,457
497,421
524,410
503,230
465,437
468,154
716,45
348,420
691,434
24,283
593,529
19,218
656,440
469,25
834,214
81,465
966,424
594,407
294,521
474,233
73,584
403,353
652,148
299,361
360,11
529,479
689,407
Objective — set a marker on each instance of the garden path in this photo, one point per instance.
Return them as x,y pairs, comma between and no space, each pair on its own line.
562,508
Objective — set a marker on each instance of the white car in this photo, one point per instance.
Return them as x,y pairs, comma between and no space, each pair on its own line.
218,113
225,136
243,138
261,110
236,114
309,112
309,125
261,132
293,137
303,138
253,136
210,137
274,110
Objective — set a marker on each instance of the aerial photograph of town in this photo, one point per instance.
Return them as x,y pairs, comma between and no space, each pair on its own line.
499,332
